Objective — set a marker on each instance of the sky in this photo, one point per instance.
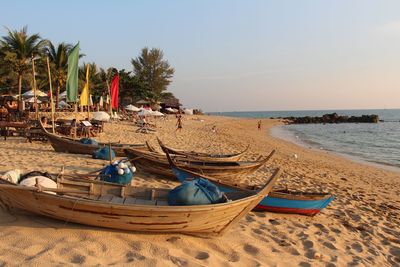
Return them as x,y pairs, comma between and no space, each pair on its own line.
233,55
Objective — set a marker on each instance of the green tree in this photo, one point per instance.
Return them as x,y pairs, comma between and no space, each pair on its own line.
58,57
18,48
153,74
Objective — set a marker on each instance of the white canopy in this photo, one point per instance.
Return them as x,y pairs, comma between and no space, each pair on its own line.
132,108
101,116
30,93
188,111
157,114
145,112
32,100
63,104
171,110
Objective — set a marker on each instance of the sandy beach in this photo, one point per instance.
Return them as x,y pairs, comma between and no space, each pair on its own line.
360,227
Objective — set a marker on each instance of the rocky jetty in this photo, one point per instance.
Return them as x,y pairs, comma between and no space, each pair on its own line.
333,118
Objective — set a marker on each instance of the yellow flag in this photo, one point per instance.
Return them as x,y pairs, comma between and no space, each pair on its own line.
84,99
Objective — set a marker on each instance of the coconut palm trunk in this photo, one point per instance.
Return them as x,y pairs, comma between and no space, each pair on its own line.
19,91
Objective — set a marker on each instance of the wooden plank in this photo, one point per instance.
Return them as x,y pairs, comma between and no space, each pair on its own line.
117,200
145,202
105,198
162,203
130,200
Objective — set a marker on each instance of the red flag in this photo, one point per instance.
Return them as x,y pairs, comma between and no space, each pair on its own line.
114,91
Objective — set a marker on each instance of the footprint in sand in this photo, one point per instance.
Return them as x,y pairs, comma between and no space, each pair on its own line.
234,257
329,245
257,231
321,228
173,239
357,247
307,244
78,259
304,264
131,256
202,255
260,214
250,218
273,222
178,261
252,250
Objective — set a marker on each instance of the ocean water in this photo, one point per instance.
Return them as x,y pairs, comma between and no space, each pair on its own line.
371,142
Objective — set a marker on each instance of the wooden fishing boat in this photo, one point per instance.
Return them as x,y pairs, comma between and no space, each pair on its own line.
281,200
129,208
200,155
156,163
71,145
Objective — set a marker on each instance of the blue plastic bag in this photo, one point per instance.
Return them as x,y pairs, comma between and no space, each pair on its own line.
104,153
89,141
196,192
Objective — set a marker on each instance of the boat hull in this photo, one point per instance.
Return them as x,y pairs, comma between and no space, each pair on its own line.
290,202
198,220
67,145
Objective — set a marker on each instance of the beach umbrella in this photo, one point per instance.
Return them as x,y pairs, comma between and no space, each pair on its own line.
132,108
31,93
101,101
145,112
91,100
188,111
157,114
63,104
32,100
63,94
101,116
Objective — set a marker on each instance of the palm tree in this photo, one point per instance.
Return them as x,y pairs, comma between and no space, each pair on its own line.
19,48
59,64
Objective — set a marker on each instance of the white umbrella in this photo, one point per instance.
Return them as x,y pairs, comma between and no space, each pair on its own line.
101,101
101,116
91,100
132,108
188,111
30,93
32,100
145,112
63,94
157,114
63,104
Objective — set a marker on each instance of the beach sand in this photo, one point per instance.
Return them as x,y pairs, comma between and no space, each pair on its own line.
360,227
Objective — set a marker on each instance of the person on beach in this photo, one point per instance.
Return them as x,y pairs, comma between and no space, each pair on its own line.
179,122
44,121
259,125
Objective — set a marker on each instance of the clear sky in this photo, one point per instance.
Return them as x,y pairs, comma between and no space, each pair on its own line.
239,55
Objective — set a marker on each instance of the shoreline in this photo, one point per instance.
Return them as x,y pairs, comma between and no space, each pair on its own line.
286,135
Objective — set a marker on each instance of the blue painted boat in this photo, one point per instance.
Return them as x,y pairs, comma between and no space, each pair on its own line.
282,201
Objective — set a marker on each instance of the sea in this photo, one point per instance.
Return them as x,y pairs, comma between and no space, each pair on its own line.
374,143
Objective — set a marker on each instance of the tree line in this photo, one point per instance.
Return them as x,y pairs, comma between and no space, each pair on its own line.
150,76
